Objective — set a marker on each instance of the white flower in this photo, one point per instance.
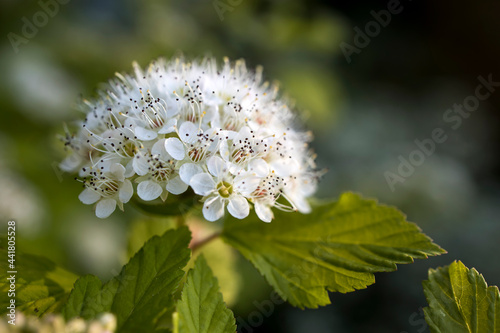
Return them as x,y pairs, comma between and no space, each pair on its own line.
266,196
298,189
158,174
193,143
193,147
246,149
219,187
220,130
55,323
78,151
107,189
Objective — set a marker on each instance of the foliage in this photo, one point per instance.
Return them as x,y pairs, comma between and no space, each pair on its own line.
142,291
201,308
41,286
337,247
461,301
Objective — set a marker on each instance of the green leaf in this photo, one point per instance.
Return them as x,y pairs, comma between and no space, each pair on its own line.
461,301
142,291
41,285
201,308
223,260
337,247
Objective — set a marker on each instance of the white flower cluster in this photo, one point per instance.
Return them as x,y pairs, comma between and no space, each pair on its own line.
221,131
52,323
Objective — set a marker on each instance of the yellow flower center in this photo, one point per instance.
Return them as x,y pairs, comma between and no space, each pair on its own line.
225,189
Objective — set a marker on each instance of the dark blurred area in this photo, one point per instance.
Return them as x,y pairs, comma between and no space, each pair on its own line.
366,111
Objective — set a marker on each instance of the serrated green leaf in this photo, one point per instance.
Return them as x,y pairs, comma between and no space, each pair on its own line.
337,247
461,301
41,285
201,308
223,260
143,289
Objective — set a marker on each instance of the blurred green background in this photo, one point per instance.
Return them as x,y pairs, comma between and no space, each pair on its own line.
364,113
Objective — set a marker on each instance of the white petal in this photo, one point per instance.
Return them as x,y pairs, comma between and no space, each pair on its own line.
175,148
118,171
129,169
70,163
308,186
144,134
213,209
300,202
176,186
86,173
168,127
89,196
285,167
104,166
238,206
149,190
188,131
302,205
215,139
140,164
158,150
126,191
243,134
188,170
227,135
128,122
259,167
264,212
105,207
224,150
202,184
246,185
216,166
159,147
236,169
